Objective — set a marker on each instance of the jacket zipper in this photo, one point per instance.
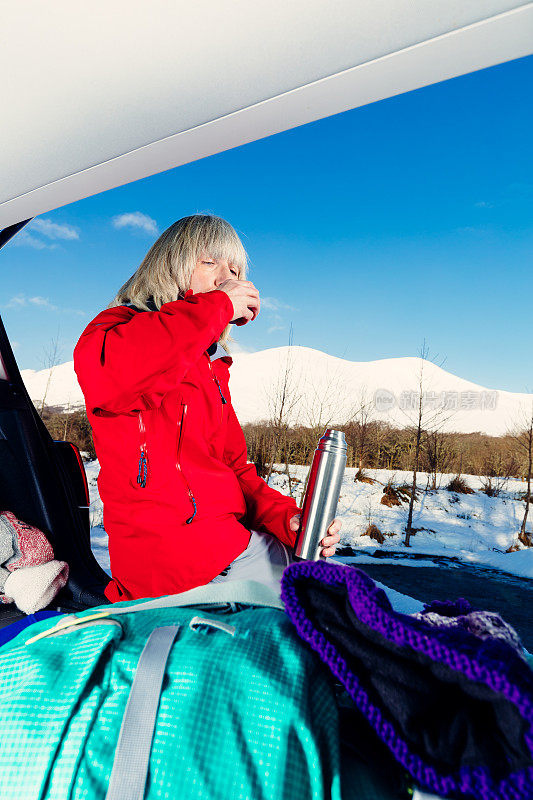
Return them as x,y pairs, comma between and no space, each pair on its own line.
178,465
224,401
142,475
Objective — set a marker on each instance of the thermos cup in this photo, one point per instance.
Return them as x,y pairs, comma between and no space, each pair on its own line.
322,494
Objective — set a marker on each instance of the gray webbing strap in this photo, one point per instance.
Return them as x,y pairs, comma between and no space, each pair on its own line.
132,756
241,591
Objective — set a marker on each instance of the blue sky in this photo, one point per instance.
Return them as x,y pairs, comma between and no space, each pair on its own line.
370,231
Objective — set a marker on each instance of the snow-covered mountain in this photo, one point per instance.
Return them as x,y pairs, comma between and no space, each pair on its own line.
325,390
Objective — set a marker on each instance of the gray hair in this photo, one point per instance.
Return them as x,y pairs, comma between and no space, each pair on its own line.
166,270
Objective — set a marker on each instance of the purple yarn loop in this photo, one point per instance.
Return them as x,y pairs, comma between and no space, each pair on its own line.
495,665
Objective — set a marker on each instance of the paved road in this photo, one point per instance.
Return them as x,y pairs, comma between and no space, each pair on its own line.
510,596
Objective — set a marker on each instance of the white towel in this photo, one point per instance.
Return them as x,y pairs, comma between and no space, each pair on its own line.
33,588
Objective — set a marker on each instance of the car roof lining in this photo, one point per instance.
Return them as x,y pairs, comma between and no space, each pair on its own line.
101,111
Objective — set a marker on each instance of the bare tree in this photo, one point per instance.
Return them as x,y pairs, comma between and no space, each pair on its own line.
523,436
326,403
67,420
282,398
427,419
418,436
52,355
363,422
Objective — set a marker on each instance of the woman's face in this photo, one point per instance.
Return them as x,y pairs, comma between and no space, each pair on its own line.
209,273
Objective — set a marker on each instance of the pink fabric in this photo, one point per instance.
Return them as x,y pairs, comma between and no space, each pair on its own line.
33,576
30,544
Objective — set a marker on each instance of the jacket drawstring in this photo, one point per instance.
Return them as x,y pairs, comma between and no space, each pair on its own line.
143,470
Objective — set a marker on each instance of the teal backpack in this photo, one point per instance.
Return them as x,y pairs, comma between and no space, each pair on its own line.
207,694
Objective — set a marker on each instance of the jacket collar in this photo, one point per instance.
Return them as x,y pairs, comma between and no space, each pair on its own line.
217,351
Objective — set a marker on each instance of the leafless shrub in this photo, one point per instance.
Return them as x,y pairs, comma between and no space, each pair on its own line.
404,492
390,497
492,485
524,497
374,533
459,485
361,476
438,454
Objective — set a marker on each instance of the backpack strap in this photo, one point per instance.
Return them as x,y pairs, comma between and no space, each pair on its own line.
208,598
248,593
132,756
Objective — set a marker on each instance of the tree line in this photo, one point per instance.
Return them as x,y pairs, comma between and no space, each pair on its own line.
371,445
378,445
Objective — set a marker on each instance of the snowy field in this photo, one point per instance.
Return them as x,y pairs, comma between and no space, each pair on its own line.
473,528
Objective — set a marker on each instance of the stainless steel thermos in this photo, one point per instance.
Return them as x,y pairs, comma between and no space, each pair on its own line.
322,494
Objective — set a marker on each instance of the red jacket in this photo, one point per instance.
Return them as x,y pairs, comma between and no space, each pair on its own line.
179,496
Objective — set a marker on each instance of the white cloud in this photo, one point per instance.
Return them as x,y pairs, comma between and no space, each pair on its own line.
21,301
273,304
16,302
42,301
24,239
48,229
53,230
136,220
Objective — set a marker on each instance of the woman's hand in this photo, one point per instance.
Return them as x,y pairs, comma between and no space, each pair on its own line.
245,299
329,542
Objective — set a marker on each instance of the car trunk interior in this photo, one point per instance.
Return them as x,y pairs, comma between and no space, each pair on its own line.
43,483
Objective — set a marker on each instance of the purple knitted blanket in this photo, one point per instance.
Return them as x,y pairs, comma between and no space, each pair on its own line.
454,709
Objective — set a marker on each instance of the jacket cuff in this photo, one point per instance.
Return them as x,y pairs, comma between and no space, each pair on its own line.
290,534
221,305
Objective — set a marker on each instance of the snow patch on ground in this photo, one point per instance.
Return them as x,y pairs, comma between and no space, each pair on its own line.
474,528
99,538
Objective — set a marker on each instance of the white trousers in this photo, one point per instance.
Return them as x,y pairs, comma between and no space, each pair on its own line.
264,560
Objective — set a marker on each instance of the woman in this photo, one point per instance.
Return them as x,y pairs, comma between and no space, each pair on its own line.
182,507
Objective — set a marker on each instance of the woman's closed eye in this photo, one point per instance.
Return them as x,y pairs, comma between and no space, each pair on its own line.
234,271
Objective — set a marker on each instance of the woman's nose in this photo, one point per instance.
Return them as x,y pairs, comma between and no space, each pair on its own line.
223,274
